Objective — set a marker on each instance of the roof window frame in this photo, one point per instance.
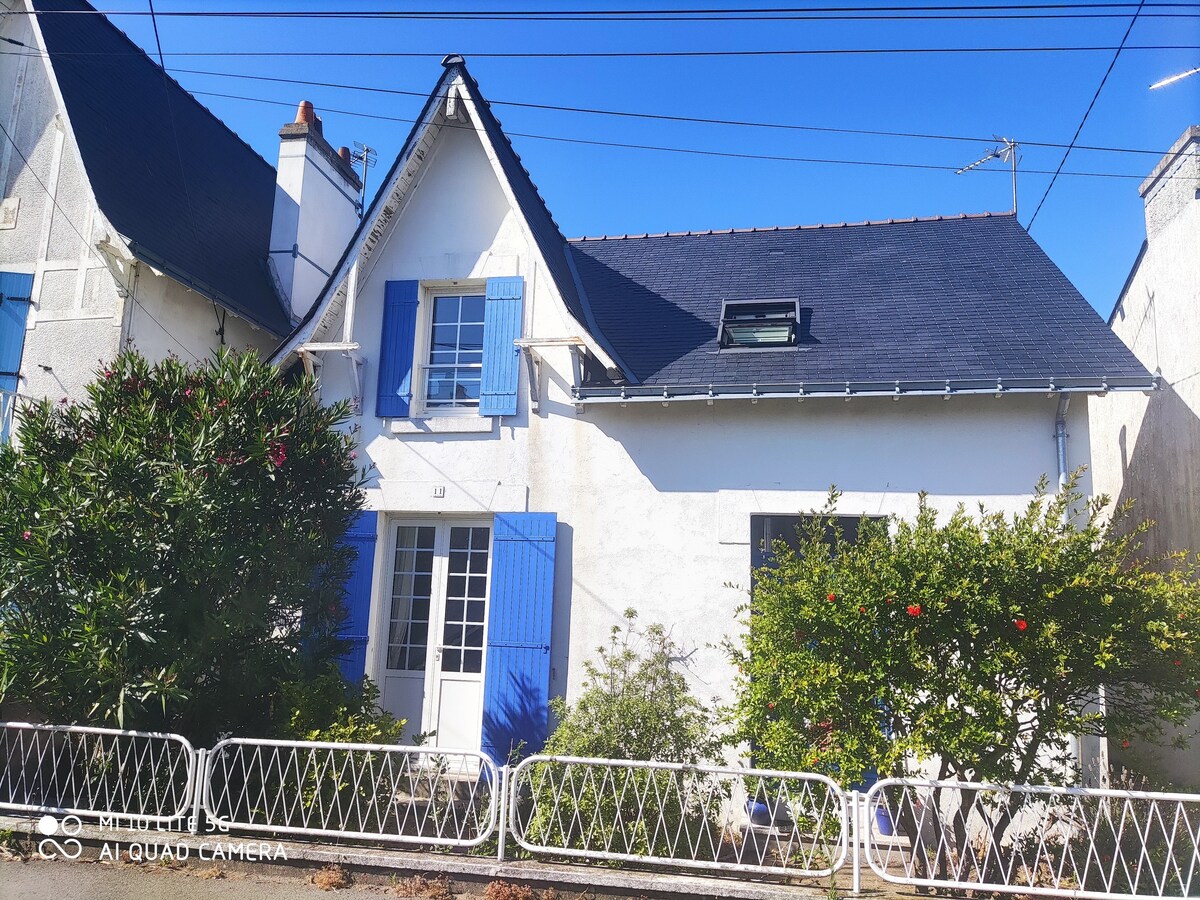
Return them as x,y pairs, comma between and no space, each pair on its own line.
788,312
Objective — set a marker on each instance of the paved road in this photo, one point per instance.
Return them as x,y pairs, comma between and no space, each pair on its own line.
42,880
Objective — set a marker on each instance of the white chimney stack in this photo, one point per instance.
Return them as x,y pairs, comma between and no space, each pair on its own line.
316,209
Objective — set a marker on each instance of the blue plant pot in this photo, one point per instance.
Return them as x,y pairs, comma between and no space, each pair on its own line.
883,821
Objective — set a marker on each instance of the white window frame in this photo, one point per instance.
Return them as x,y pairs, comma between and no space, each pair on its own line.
429,290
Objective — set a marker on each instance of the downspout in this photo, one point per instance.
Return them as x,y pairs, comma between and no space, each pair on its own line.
1060,438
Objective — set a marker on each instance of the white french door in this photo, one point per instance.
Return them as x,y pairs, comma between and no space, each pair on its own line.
434,628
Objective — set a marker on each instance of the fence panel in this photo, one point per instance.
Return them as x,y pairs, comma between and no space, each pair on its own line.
1075,842
376,792
701,817
89,772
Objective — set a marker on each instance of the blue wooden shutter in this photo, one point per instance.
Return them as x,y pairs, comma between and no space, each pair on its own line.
516,687
15,290
502,319
361,537
396,341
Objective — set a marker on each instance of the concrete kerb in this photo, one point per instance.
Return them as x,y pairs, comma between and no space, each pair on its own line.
476,869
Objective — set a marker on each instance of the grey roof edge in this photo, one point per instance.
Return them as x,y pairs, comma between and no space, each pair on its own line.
590,324
1190,134
1128,281
761,230
205,290
896,388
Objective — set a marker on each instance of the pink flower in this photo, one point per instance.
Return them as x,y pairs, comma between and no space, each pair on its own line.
188,392
353,455
108,373
26,535
277,454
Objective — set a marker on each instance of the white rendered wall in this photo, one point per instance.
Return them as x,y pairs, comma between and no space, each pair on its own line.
653,503
1147,449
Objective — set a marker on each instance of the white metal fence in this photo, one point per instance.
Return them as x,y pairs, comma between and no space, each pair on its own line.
955,836
699,817
63,770
405,795
1076,842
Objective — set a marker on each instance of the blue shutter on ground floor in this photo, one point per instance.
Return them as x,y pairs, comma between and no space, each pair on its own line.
502,321
15,290
516,689
361,537
397,338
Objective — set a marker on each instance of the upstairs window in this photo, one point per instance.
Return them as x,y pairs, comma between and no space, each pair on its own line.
455,368
759,324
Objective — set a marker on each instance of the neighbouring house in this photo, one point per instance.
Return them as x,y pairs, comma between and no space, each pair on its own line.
561,429
1147,448
132,216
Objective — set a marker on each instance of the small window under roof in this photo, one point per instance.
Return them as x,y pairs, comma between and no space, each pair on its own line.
756,324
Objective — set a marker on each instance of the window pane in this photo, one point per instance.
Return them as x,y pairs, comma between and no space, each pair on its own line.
456,586
474,610
478,563
452,661
445,337
412,581
445,309
472,660
473,636
472,309
477,586
458,563
454,610
460,538
479,538
470,337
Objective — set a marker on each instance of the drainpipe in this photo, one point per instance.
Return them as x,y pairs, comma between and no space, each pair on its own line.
1060,438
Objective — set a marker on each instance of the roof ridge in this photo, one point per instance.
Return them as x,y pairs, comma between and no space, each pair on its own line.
125,37
711,231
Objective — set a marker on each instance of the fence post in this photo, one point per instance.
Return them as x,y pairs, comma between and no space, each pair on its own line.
502,824
197,790
856,848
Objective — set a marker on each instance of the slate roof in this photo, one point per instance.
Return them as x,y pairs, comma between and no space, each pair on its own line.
200,210
923,300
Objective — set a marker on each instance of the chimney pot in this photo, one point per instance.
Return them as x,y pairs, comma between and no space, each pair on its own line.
344,153
304,113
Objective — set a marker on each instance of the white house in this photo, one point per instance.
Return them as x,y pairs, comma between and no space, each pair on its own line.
1147,449
132,216
563,429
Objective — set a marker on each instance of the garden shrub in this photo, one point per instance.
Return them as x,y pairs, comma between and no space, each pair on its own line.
171,547
635,704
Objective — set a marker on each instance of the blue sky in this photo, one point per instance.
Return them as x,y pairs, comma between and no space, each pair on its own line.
1091,227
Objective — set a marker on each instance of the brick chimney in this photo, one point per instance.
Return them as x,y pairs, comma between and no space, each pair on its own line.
1173,187
316,208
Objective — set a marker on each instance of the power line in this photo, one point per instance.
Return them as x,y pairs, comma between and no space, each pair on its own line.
1046,10
728,154
643,115
636,54
1083,121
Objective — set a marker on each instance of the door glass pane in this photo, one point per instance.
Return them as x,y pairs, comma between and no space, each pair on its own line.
463,646
412,581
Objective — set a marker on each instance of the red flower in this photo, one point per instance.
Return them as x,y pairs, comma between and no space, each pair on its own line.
1021,624
771,705
831,597
1125,743
277,454
108,374
1179,662
862,609
889,600
914,609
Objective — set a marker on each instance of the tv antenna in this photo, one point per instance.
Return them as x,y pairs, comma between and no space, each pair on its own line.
365,155
1007,152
